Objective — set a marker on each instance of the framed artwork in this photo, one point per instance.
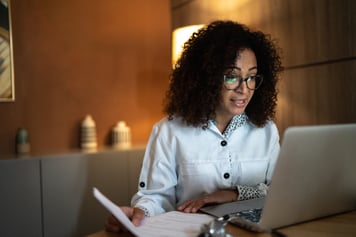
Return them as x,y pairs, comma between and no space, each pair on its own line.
7,80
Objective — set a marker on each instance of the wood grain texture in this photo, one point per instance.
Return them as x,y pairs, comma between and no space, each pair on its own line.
318,51
72,58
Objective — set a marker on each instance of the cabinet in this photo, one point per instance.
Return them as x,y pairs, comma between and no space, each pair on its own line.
20,198
52,195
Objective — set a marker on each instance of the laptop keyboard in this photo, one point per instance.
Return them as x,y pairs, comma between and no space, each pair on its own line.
252,215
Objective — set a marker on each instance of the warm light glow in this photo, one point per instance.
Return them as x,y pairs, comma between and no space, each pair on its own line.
179,37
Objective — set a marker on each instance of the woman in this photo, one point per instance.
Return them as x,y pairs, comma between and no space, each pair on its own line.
218,143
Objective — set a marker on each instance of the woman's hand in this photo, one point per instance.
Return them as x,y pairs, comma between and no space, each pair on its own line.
136,216
221,196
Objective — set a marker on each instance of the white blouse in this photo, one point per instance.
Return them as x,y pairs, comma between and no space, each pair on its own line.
183,162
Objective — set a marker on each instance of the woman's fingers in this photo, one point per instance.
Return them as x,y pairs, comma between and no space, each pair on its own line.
112,224
220,196
134,214
137,217
192,206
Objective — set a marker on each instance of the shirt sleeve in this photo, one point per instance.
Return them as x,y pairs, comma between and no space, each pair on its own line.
156,189
250,192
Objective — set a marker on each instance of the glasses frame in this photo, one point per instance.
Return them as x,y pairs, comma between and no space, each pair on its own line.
245,80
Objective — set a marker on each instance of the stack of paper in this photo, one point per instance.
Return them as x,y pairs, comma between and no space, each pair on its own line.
177,224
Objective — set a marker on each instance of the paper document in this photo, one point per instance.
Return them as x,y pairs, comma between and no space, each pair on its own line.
174,223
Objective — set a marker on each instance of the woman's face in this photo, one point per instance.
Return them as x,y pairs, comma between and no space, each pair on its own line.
235,101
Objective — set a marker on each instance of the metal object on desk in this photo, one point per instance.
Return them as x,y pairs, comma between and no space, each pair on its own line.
216,228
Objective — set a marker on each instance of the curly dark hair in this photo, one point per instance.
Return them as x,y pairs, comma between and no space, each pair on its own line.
197,79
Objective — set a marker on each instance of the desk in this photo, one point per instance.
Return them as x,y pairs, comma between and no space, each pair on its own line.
342,225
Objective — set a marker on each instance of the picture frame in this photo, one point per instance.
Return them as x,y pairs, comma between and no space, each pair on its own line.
7,79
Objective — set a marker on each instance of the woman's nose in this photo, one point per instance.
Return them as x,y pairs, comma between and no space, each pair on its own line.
242,88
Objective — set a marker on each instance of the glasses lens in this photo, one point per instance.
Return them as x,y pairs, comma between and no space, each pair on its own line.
254,82
231,81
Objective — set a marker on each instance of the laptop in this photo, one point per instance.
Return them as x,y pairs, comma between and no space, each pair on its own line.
315,176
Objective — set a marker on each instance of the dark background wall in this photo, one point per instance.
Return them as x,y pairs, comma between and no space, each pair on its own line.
111,59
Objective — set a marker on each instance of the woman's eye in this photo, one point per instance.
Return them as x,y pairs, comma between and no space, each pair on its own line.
231,79
250,78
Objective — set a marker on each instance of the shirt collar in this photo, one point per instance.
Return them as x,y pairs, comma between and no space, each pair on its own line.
236,122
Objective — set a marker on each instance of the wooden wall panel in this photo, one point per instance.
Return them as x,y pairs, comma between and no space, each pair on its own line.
308,31
323,94
110,59
317,38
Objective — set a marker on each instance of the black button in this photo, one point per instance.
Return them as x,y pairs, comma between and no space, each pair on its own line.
226,175
142,184
223,143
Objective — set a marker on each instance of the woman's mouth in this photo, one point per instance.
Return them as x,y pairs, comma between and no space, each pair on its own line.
240,103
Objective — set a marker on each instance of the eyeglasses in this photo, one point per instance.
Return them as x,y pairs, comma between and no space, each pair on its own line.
233,81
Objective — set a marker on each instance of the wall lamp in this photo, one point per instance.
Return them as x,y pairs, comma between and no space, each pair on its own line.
179,37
